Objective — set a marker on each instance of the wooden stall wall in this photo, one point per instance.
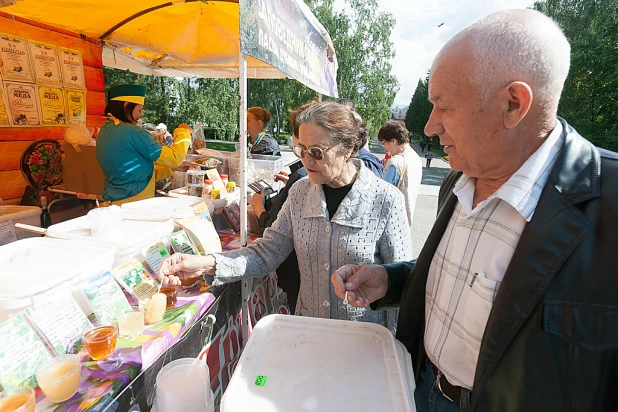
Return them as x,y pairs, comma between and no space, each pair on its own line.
14,140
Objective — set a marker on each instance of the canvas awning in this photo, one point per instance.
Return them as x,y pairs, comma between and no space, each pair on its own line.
178,38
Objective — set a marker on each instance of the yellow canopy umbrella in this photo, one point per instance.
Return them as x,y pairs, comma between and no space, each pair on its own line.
178,38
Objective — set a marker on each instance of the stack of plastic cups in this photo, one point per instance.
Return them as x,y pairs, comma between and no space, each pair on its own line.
184,385
195,182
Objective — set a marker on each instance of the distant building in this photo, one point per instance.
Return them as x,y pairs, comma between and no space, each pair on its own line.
399,112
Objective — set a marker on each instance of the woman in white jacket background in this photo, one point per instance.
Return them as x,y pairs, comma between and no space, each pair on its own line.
340,214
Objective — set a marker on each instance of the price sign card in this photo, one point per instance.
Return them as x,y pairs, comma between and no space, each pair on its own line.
155,254
105,296
131,274
21,351
181,244
61,320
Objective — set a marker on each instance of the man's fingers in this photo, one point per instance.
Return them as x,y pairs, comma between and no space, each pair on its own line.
340,276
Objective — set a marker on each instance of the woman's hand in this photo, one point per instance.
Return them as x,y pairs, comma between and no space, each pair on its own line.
257,202
282,176
181,266
364,283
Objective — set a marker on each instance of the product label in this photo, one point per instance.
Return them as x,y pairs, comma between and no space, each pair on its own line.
260,380
133,273
155,254
105,297
21,351
58,316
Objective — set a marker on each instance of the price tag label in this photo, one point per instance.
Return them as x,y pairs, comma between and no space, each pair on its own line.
155,254
144,290
260,380
200,208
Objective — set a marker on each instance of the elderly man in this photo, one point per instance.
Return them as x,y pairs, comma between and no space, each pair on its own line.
512,303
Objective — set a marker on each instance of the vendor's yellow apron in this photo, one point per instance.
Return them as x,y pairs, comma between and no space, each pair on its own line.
171,157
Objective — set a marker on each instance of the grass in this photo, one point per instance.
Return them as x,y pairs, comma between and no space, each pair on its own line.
221,146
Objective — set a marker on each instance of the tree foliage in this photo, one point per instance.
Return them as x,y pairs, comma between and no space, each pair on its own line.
590,98
418,111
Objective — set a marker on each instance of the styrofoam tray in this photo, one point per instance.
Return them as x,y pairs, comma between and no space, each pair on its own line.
310,364
169,207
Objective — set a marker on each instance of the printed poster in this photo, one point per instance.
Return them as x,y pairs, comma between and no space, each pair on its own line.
5,117
52,106
72,68
23,104
75,106
21,351
46,66
15,59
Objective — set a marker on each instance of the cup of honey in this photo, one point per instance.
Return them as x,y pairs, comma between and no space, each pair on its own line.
59,377
170,296
19,399
100,339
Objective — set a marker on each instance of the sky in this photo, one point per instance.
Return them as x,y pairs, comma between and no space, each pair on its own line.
417,37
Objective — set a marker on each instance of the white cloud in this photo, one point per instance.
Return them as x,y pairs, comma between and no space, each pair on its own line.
417,37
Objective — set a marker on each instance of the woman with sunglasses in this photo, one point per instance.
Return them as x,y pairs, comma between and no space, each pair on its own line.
341,214
260,142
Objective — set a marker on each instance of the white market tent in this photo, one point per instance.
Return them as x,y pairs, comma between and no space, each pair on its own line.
202,38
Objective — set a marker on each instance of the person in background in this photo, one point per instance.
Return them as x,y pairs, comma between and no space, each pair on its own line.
129,156
404,169
342,213
162,128
371,161
429,157
288,274
260,142
511,305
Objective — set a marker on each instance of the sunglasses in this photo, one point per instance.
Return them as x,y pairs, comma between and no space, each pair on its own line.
316,153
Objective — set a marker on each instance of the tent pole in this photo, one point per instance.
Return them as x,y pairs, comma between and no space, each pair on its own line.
246,284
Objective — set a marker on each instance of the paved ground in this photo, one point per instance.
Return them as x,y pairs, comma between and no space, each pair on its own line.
427,201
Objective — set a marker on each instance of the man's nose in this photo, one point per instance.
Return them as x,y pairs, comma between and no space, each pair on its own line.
434,125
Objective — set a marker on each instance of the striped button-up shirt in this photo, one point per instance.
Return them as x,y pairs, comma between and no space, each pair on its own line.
471,259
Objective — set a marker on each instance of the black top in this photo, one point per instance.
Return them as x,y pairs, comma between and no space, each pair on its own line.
266,219
267,146
334,197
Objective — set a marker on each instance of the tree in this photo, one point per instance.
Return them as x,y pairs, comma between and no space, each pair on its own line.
590,97
418,111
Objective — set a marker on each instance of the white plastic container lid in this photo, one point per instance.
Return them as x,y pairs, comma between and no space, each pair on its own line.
294,363
128,238
35,265
168,207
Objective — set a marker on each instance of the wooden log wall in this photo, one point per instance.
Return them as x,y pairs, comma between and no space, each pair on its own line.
13,141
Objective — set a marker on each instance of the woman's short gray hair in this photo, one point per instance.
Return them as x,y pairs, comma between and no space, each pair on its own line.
342,124
519,45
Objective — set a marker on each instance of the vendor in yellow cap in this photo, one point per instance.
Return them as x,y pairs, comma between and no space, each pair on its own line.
129,156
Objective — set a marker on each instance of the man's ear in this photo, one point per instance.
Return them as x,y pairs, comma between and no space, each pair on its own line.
518,96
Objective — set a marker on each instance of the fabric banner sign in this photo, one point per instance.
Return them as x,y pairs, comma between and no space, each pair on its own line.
284,34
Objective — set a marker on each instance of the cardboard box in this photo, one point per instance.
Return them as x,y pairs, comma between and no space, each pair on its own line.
82,172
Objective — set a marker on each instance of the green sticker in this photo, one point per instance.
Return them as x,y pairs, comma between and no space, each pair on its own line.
260,380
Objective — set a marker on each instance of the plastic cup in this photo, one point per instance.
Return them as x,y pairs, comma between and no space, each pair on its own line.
184,384
196,190
131,324
19,399
154,308
170,296
59,377
100,339
195,177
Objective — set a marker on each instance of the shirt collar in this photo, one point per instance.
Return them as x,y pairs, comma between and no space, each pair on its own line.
523,189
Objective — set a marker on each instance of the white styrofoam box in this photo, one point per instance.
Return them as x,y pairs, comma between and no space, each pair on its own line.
32,266
217,204
294,363
128,238
406,366
29,215
163,207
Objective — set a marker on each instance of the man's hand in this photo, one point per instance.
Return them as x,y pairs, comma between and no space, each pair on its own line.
282,176
364,283
181,266
257,201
